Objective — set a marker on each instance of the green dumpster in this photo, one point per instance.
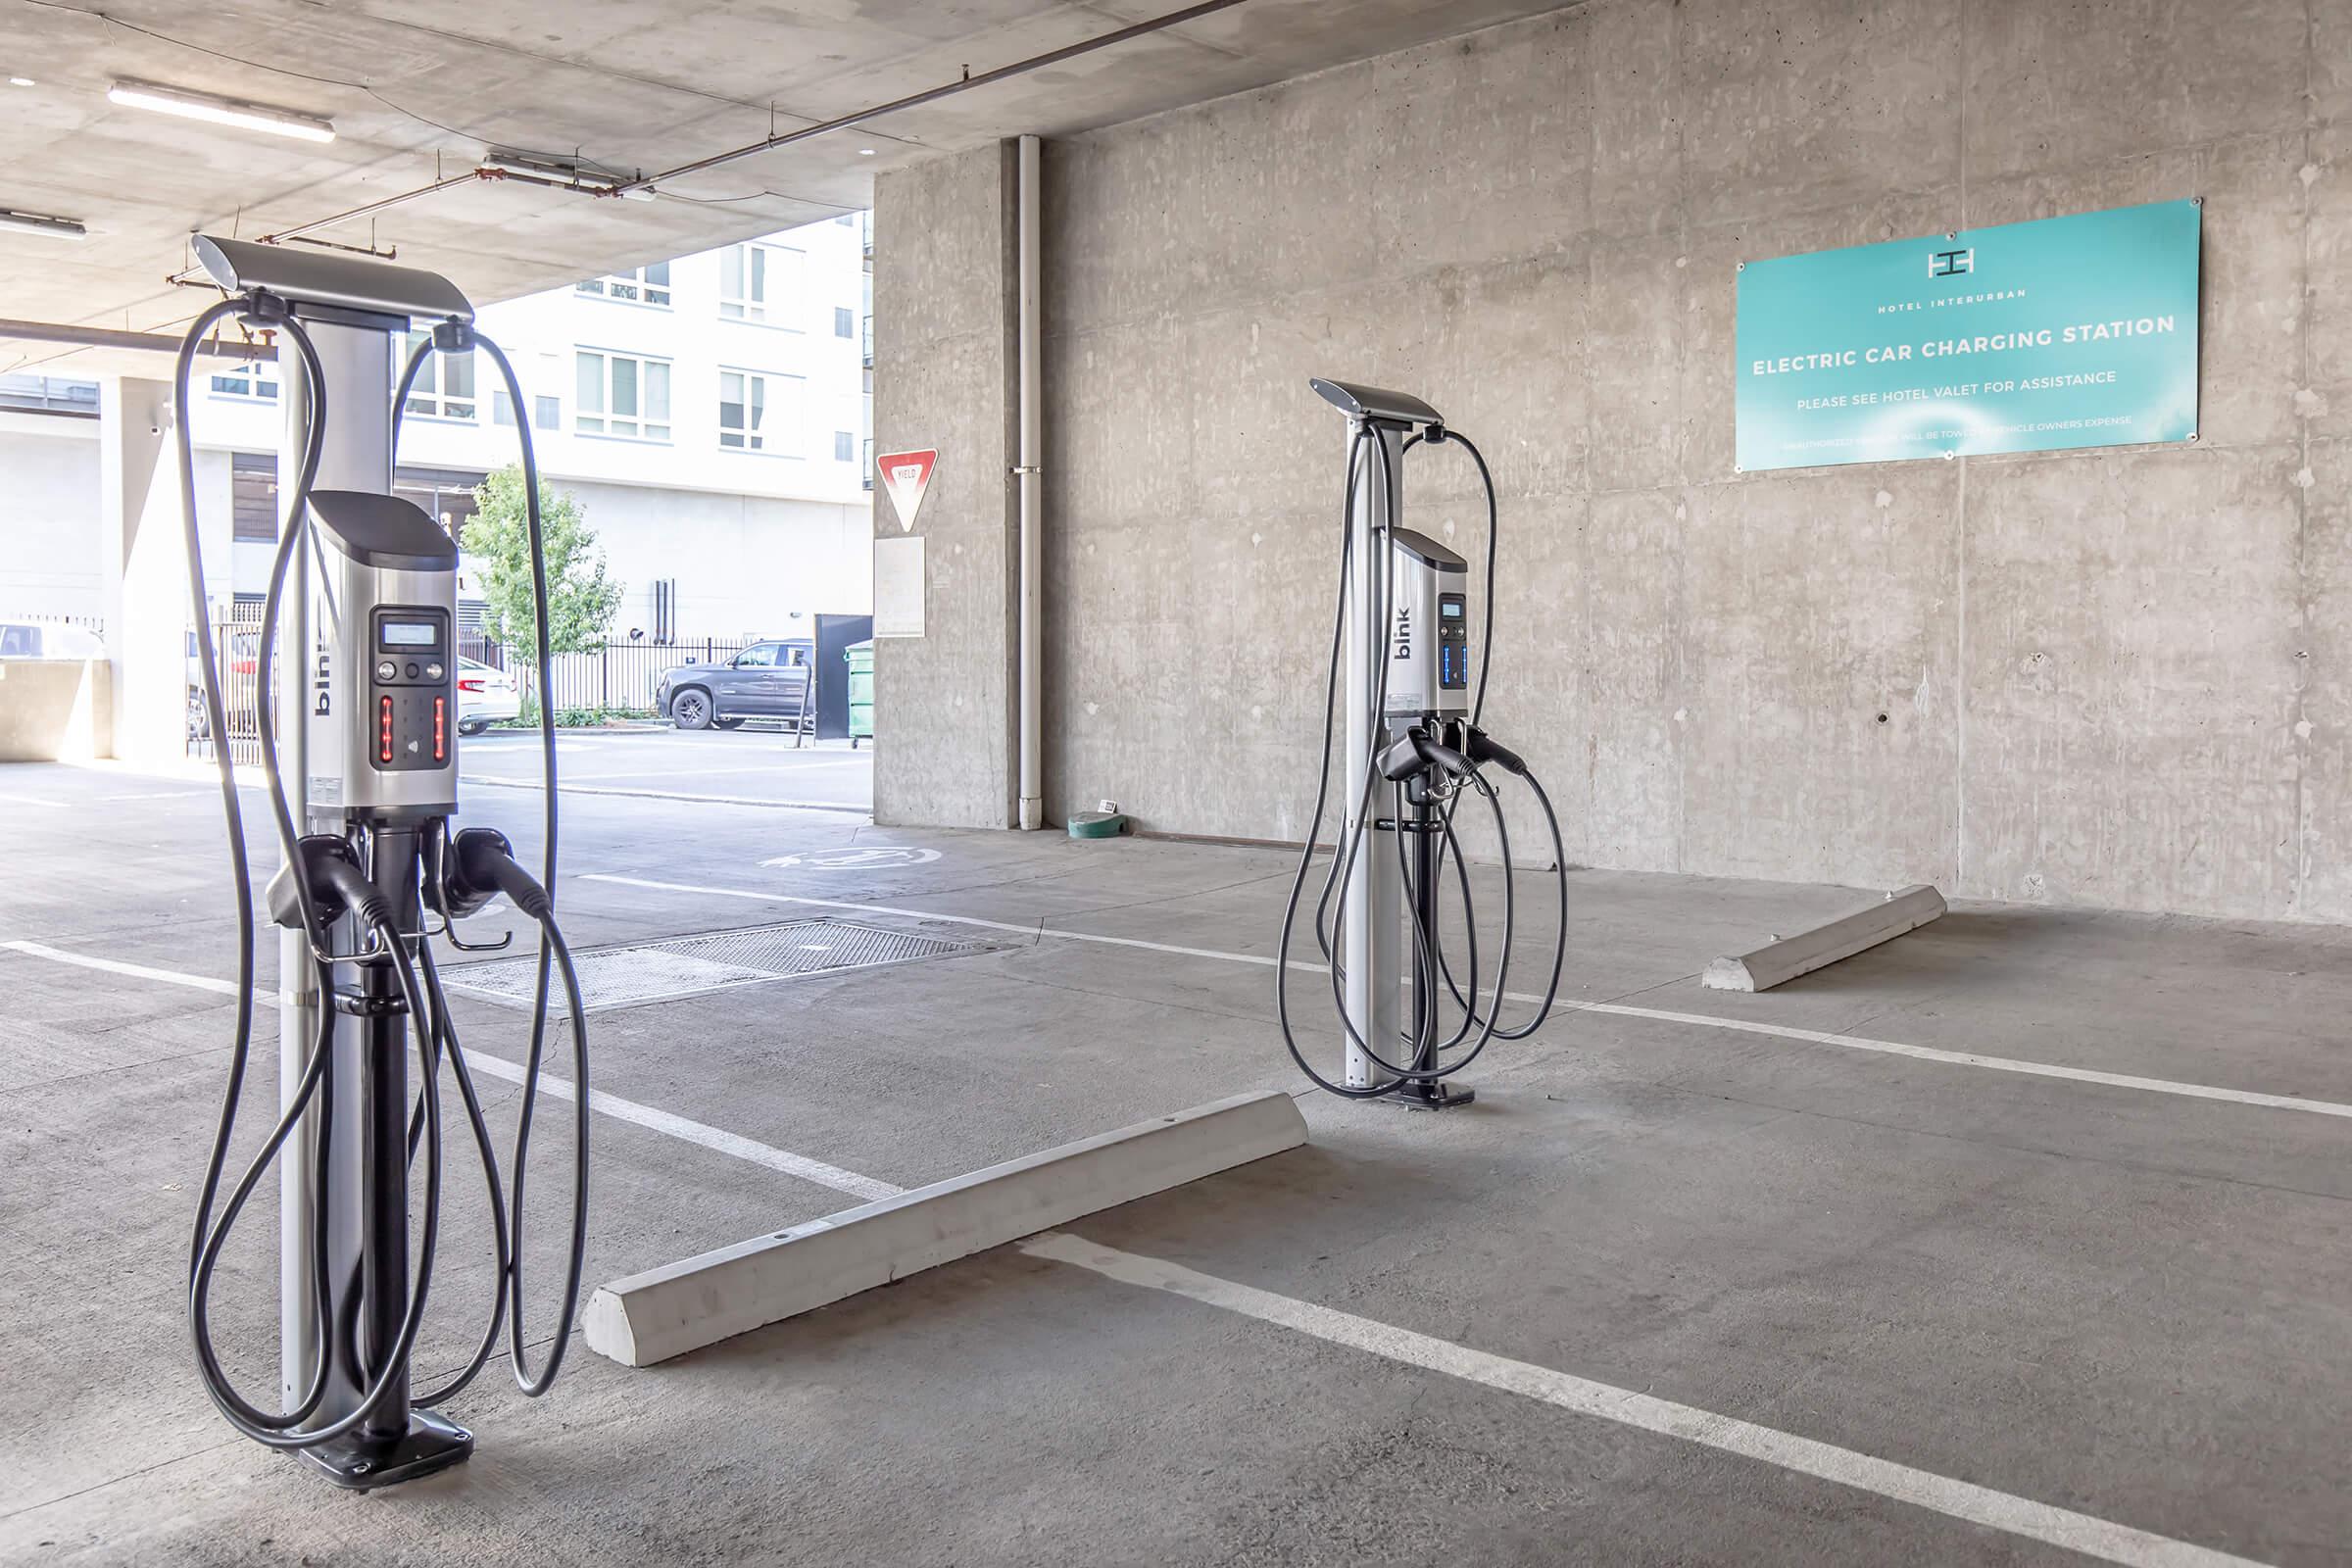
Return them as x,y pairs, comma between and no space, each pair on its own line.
861,658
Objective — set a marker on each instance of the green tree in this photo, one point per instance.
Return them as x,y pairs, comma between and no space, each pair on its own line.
580,598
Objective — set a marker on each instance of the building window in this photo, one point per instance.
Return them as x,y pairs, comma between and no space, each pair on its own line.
547,414
49,394
845,446
253,496
623,395
252,380
845,321
758,410
743,409
444,385
757,282
644,285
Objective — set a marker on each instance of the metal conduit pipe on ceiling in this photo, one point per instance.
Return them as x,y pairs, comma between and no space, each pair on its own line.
101,337
1051,56
645,183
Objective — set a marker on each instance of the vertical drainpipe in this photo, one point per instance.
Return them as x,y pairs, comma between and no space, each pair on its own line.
1032,457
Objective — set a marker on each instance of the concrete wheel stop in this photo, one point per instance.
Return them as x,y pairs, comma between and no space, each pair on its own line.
667,1311
1784,958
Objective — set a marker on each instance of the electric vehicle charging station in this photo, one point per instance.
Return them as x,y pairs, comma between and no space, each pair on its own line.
1402,629
364,589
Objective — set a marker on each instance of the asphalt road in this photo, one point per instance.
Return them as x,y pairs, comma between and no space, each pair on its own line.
747,766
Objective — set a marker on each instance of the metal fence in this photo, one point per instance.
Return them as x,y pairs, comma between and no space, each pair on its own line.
618,678
95,625
236,638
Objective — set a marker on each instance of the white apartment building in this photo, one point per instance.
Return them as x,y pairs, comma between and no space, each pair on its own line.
710,414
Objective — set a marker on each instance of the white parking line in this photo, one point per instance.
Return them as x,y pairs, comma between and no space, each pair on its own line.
620,1109
2082,1533
715,1139
1816,1037
570,777
675,795
137,971
1958,1500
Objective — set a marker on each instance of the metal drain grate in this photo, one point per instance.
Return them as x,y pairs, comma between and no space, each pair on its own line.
715,961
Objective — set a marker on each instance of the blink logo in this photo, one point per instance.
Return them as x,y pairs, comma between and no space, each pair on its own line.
1950,264
1405,632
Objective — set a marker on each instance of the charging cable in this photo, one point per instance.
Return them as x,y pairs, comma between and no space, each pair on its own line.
323,884
1444,758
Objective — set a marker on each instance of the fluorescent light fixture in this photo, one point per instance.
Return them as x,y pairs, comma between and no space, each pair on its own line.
220,110
514,162
41,224
22,82
565,172
865,151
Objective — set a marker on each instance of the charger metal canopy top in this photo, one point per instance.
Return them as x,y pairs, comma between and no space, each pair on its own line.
2078,331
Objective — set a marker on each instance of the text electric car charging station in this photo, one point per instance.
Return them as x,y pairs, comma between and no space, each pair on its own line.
1402,626
370,656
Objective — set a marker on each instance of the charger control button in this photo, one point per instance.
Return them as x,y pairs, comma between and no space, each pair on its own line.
387,670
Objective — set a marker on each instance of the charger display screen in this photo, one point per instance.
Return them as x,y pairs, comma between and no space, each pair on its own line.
1453,643
406,634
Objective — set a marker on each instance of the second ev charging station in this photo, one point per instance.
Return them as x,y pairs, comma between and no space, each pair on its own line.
364,590
1414,696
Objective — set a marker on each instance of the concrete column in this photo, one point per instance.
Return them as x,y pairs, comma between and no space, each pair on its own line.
146,563
946,376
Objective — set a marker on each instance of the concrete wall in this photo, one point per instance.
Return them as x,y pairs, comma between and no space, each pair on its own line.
56,710
944,281
52,549
2118,678
746,566
51,564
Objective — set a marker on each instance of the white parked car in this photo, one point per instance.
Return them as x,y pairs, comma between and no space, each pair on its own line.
48,639
486,696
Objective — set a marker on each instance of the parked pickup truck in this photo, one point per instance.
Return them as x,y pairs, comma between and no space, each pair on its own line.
766,680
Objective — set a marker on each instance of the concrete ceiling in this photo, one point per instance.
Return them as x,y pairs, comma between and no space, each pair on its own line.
419,89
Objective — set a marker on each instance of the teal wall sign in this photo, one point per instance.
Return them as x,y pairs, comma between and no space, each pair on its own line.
2076,331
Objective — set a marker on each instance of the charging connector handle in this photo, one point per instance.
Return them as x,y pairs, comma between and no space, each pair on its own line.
1484,748
1417,752
482,862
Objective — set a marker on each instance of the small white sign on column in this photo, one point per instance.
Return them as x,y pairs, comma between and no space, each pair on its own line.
899,586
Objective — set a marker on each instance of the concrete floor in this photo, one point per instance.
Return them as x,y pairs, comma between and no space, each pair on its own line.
2134,1302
